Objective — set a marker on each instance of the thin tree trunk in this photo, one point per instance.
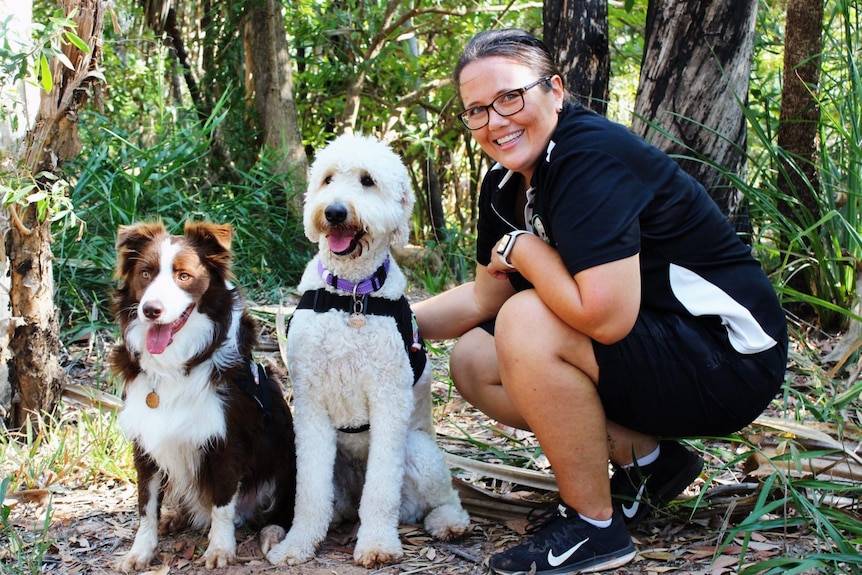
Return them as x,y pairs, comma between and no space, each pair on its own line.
268,58
576,33
693,87
798,125
34,370
21,104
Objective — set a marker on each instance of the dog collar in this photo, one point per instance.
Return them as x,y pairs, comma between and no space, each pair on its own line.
370,284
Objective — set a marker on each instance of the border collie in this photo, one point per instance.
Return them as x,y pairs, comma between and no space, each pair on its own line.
211,432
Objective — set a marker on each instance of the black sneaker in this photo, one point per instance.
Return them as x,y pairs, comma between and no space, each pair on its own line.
565,543
636,491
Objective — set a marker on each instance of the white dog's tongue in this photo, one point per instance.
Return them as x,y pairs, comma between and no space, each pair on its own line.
158,337
339,239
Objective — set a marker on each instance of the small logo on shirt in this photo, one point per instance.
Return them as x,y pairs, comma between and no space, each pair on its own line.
539,227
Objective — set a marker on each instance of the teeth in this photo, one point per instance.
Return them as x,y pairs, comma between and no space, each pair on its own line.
509,138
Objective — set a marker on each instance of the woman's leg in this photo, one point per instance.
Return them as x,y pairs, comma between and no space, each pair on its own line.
475,372
549,372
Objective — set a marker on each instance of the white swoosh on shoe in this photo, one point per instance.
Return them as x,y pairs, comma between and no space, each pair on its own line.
555,561
631,510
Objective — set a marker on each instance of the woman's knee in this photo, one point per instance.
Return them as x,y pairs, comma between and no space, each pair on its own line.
473,362
527,328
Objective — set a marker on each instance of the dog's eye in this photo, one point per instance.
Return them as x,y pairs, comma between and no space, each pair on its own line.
327,180
145,274
184,277
366,181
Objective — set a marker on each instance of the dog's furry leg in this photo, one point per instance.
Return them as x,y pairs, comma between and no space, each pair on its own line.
147,537
428,490
221,550
377,542
315,458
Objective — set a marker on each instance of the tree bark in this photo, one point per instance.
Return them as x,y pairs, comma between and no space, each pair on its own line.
21,103
693,87
268,61
35,374
800,112
576,33
798,124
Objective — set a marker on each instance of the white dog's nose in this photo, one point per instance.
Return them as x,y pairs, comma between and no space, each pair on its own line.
335,213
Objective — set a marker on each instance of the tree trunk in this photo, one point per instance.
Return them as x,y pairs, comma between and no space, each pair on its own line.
35,373
21,103
268,60
798,124
576,33
693,86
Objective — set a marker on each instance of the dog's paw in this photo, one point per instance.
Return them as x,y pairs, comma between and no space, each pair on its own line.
270,536
133,561
447,522
377,554
216,557
289,552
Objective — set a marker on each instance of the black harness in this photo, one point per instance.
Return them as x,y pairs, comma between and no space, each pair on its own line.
321,300
253,380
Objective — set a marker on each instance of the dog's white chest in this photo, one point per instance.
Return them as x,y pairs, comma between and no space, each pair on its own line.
190,414
346,369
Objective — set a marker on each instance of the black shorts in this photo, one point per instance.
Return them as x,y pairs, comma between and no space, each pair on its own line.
675,376
680,377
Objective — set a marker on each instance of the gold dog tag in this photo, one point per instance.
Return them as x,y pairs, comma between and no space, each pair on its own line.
152,400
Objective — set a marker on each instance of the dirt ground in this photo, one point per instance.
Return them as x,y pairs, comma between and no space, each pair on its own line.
91,526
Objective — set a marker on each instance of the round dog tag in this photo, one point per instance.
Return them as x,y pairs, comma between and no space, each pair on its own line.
152,400
356,320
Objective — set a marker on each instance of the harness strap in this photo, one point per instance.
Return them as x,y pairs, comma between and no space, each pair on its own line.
321,300
253,381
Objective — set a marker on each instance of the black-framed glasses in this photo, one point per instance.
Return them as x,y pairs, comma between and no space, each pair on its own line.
506,104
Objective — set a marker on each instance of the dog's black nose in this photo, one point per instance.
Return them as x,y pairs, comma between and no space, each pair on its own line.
153,309
335,213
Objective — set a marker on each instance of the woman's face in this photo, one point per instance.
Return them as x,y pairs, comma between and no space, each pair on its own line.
518,141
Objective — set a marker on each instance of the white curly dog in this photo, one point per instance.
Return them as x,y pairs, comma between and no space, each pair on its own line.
362,410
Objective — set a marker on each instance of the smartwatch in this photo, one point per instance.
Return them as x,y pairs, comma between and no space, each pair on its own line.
507,242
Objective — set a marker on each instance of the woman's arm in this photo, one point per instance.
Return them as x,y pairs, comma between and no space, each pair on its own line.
455,311
602,302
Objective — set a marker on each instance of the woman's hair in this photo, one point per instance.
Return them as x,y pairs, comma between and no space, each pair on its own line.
512,43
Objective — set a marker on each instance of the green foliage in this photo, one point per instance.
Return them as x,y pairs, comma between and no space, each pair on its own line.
626,25
23,553
130,176
825,247
29,59
73,451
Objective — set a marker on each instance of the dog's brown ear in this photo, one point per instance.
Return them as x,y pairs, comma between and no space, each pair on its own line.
135,233
221,233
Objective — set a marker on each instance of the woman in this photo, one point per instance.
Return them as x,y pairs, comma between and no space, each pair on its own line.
613,306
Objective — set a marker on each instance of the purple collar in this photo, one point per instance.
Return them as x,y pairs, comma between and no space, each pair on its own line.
370,284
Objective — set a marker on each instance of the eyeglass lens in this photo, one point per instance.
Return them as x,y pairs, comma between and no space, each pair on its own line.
505,105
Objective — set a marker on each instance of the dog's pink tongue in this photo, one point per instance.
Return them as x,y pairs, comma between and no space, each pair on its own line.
158,337
339,239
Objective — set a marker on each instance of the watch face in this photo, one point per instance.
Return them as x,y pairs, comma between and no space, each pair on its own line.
501,247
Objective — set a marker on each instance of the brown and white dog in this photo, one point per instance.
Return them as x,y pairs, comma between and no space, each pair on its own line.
211,431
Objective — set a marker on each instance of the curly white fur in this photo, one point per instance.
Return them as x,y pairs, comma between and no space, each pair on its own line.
358,203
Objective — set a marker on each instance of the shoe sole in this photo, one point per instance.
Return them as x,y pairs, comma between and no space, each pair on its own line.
611,563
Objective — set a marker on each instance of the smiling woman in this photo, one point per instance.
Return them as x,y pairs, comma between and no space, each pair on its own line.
613,307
